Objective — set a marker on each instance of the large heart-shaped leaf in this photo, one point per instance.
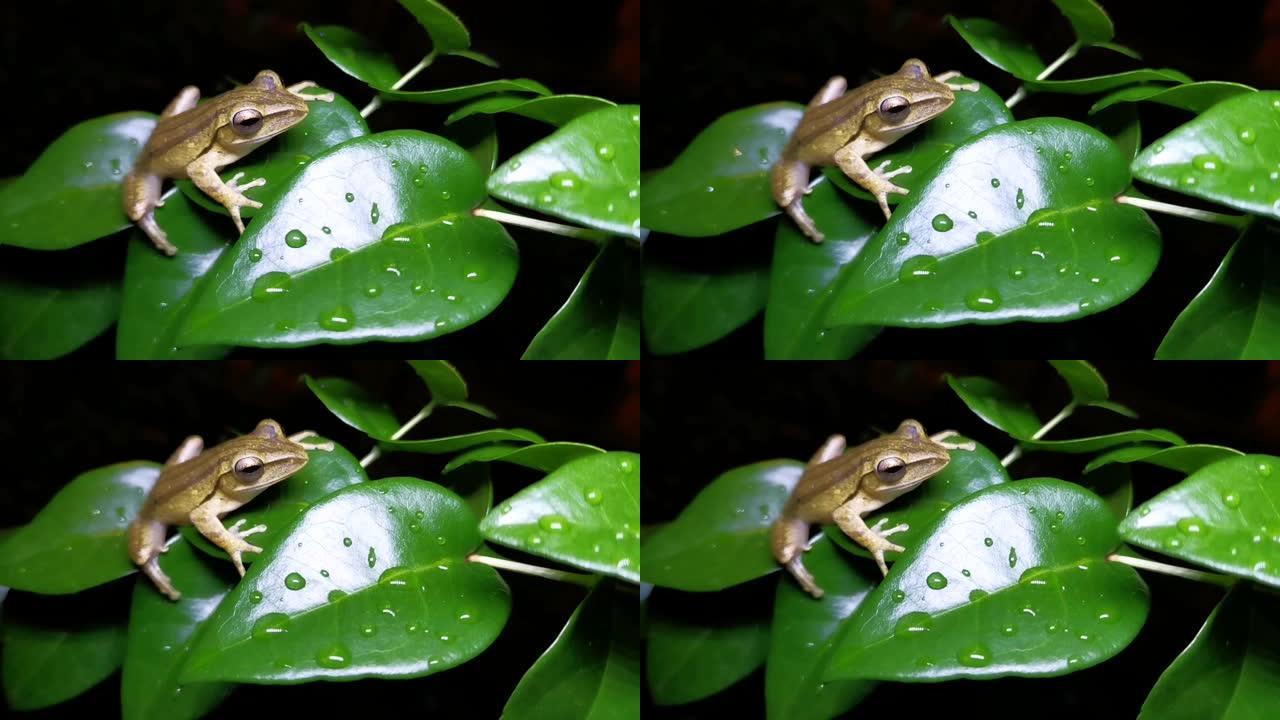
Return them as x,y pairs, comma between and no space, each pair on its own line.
71,193
690,655
1102,442
1103,83
552,109
543,456
686,308
996,405
587,171
1012,580
999,46
1019,223
1183,458
354,54
585,513
1225,516
453,443
1227,154
78,540
47,316
354,406
374,239
601,319
447,32
721,538
720,182
1196,97
372,581
1088,19
52,656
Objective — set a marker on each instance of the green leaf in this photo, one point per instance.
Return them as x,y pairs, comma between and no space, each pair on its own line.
686,308
690,656
552,109
475,485
443,380
354,54
480,138
1237,315
802,282
587,172
1224,516
71,194
1088,19
1117,47
47,316
1114,484
453,443
1103,83
354,406
543,456
1195,97
78,540
803,633
1227,155
1228,672
999,46
1019,223
1183,458
1102,442
316,605
51,658
447,32
1013,580
585,513
1086,383
591,671
996,405
720,182
160,632
446,96
1116,408
404,259
1123,126
712,546
158,288
601,319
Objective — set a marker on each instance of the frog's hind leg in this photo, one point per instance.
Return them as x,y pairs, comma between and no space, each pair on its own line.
790,538
146,542
141,196
186,99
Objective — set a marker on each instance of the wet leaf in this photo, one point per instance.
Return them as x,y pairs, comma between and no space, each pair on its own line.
453,443
354,406
447,32
1088,19
1195,97
996,405
1183,458
999,46
47,659
354,54
543,456
46,318
1086,383
442,379
685,308
1102,83
446,96
688,657
553,109
1102,442
601,319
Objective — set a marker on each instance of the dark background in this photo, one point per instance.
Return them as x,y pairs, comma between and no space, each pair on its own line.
60,420
701,419
704,59
70,61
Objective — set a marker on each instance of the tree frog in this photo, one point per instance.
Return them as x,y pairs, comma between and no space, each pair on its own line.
194,141
843,129
844,486
198,486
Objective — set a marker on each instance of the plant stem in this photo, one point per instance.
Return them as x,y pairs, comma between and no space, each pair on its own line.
423,414
423,64
1174,570
543,225
1016,453
535,570
1021,93
1235,221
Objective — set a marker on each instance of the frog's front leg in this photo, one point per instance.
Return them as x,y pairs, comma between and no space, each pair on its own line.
203,171
951,75
849,158
298,438
205,519
849,518
297,87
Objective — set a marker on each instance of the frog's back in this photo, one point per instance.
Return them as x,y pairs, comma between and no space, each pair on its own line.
828,127
177,141
826,486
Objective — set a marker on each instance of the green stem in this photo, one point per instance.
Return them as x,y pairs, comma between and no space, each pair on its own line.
1174,570
535,570
423,414
1016,453
376,102
1021,93
543,225
1235,221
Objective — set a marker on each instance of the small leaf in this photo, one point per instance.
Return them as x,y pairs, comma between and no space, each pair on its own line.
1117,47
543,456
1088,19
47,316
354,406
447,32
1224,516
1102,442
1195,97
453,443
479,136
50,658
1086,383
354,54
601,319
996,405
443,380
552,109
1123,126
999,46
1102,83
1183,458
690,656
446,96
586,513
685,309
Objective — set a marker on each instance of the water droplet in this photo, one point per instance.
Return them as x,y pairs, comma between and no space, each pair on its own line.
255,597
1158,147
605,151
338,252
418,288
255,255
942,223
977,594
936,580
988,542
374,214
903,239
1191,526
294,581
975,656
372,291
1189,180
368,631
1020,199
898,596
393,577
552,523
1017,273
918,268
1264,469
339,319
548,199
346,541
270,285
565,180
327,230
1144,511
418,181
271,625
1013,557
295,239
351,197
593,496
1074,661
995,182
1089,181
324,573
983,300
913,623
336,595
1248,136
373,557
984,236
1230,499
334,657
1207,163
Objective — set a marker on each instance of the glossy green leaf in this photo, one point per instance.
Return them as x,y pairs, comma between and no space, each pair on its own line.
601,319
160,632
354,54
685,308
371,581
1228,154
1237,315
802,282
1123,126
591,671
49,659
403,259
690,657
999,46
479,136
803,633
1018,223
1086,383
1103,83
1196,96
712,546
587,172
1229,671
720,182
585,513
453,443
78,540
1117,47
446,30
1114,484
71,193
354,406
1223,516
442,379
47,316
1013,580
996,405
543,456
158,288
1102,442
475,485
1115,407
1183,458
446,96
1088,19
552,109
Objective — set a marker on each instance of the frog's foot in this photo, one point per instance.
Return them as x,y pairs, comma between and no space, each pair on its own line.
233,200
152,570
239,547
941,438
234,185
158,236
296,87
881,192
951,75
797,569
298,438
235,529
878,546
879,170
797,213
886,533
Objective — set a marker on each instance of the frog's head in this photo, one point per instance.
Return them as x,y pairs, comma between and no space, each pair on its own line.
907,99
259,111
254,462
903,460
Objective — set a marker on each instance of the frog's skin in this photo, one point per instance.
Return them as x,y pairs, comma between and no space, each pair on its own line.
843,129
198,486
842,487
194,141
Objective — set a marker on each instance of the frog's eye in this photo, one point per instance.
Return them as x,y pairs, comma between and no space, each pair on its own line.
248,469
891,469
246,121
895,108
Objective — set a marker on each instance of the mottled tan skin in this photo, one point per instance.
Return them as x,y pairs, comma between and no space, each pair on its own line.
843,129
198,486
194,141
842,487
